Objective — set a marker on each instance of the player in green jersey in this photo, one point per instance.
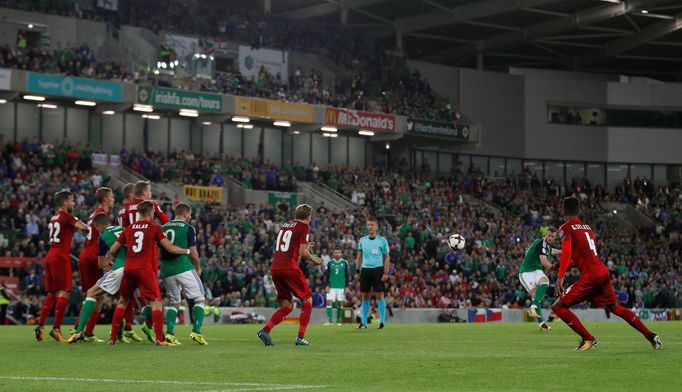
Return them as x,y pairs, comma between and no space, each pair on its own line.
532,276
181,274
109,283
337,277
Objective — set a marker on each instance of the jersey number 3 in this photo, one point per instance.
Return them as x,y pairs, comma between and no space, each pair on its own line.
285,238
139,237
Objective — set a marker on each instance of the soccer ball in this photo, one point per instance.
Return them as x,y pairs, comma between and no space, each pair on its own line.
456,242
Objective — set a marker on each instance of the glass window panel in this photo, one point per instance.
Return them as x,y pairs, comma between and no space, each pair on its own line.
640,170
480,163
513,166
595,173
497,167
660,175
616,173
575,170
535,167
554,170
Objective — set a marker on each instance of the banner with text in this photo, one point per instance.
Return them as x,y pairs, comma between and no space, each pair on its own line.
5,78
346,118
204,194
252,107
437,128
74,87
274,198
180,99
106,159
274,61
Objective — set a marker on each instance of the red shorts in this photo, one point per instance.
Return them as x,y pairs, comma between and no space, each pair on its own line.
57,274
142,279
290,282
89,269
596,289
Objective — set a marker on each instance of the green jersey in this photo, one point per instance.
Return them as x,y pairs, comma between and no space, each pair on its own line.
183,235
531,261
338,274
106,241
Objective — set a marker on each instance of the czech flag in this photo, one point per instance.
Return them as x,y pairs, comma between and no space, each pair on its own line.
494,315
476,315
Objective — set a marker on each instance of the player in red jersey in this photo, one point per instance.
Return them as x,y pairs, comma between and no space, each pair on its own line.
141,191
292,242
127,191
88,265
140,272
578,249
58,264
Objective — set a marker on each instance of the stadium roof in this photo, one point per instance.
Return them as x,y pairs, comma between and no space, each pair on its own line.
641,37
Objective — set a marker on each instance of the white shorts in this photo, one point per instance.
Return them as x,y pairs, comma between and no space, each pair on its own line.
336,295
111,281
530,280
189,282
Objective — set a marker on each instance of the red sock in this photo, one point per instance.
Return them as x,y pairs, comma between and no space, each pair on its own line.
157,317
130,313
92,321
59,311
116,323
304,319
277,318
45,310
632,319
572,321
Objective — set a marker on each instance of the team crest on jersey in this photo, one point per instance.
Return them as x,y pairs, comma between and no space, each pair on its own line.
561,235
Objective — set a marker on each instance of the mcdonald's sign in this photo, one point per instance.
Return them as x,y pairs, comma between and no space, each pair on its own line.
204,194
346,118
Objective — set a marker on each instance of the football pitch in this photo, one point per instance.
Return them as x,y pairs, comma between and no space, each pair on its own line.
402,357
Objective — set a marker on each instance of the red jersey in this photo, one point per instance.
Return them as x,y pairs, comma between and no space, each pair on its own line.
289,239
131,216
92,239
577,243
60,229
141,240
122,213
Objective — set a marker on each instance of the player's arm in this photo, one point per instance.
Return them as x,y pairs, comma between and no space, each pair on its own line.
327,275
160,215
542,255
556,251
77,223
564,263
387,259
102,260
174,249
358,261
304,251
192,246
346,272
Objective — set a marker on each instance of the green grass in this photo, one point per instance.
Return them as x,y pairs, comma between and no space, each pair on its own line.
415,357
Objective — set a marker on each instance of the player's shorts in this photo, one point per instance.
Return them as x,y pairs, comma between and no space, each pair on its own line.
142,279
531,280
290,283
336,295
89,269
57,274
111,281
598,290
189,282
370,280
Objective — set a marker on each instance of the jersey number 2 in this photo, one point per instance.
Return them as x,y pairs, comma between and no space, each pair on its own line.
285,237
591,243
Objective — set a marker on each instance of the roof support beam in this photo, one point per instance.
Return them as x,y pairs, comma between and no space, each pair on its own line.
616,47
330,7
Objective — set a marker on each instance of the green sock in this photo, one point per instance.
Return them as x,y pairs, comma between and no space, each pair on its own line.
171,316
198,313
339,313
86,311
539,296
329,313
147,311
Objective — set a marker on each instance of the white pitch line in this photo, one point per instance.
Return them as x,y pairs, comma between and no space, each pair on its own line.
252,386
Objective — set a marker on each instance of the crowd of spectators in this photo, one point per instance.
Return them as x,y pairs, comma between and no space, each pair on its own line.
499,218
373,77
